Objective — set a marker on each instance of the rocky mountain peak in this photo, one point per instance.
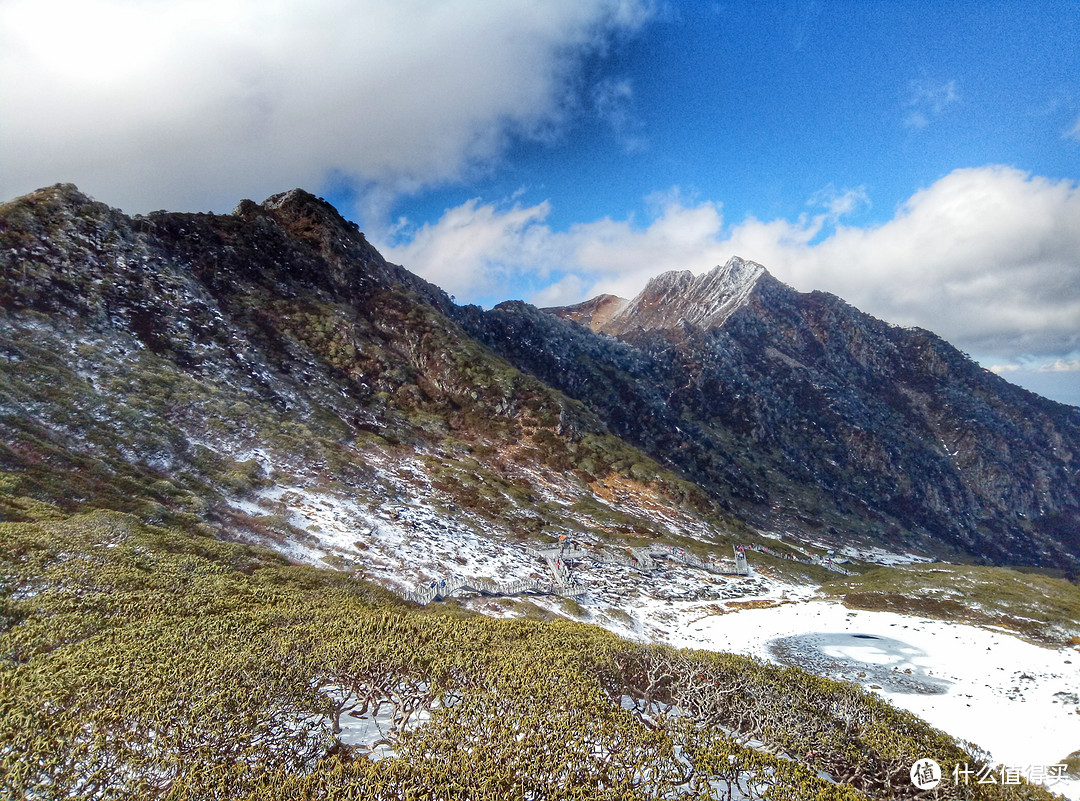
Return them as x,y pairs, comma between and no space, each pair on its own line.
678,297
300,207
352,264
307,218
56,205
63,193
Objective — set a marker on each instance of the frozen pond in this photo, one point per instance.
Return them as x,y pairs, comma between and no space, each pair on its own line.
869,659
1017,700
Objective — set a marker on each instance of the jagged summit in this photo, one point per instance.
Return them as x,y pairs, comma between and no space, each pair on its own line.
66,192
307,217
299,197
674,298
354,262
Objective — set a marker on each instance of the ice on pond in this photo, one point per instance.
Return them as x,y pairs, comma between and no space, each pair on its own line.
867,658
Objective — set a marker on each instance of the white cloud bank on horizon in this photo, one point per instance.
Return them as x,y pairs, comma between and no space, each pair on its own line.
1055,366
988,258
149,103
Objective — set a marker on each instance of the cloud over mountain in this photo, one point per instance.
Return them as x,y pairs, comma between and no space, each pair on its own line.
149,104
987,257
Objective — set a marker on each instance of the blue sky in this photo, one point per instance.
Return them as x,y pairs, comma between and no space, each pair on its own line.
761,105
920,160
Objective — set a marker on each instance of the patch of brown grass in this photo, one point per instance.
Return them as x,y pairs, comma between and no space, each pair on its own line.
753,603
944,609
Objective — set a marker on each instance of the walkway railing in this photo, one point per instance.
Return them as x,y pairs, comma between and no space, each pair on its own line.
721,566
444,588
826,563
556,558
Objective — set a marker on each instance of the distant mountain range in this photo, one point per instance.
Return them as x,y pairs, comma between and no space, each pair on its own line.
147,358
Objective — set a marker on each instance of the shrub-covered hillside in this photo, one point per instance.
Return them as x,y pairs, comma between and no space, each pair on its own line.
146,662
173,365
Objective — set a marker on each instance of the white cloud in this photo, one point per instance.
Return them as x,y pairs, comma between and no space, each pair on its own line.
838,204
989,258
1066,365
621,253
613,102
1061,366
567,290
927,100
1074,132
150,104
476,250
473,248
916,119
1056,378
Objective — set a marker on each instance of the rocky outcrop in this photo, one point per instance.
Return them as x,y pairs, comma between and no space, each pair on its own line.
677,298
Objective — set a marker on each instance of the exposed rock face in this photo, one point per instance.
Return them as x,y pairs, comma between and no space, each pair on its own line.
594,313
670,299
803,413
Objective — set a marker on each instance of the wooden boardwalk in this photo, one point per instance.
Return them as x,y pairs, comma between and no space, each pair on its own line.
826,563
558,560
443,588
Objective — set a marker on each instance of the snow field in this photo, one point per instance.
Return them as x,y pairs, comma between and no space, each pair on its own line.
1016,700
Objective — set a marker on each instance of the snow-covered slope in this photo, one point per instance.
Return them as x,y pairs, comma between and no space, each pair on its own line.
1014,699
674,298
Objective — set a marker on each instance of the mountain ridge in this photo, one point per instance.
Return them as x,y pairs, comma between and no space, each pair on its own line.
786,402
191,366
793,412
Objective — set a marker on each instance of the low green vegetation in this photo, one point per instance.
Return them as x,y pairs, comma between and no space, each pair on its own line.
1072,764
1036,607
146,662
572,608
